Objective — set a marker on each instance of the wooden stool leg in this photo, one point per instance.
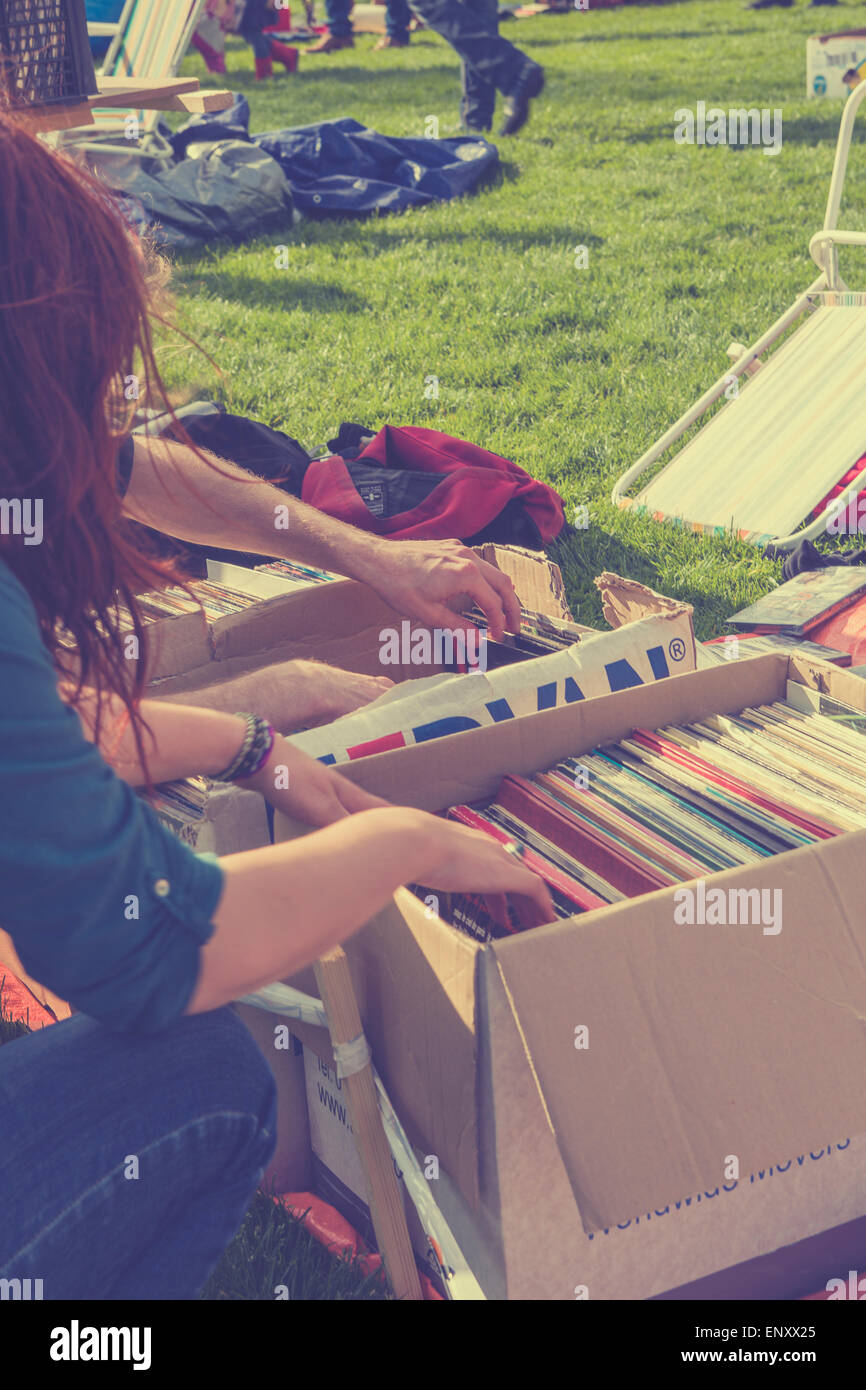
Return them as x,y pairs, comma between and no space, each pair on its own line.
385,1197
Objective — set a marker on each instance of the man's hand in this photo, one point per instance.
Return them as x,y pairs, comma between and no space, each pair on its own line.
293,695
324,692
421,579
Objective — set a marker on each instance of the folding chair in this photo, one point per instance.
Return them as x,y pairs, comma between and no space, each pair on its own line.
149,40
793,426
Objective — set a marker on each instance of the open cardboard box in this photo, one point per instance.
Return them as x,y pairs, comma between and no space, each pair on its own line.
602,1172
339,622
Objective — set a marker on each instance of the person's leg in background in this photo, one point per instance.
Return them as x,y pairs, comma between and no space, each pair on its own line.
210,41
250,31
478,95
496,61
340,32
398,17
256,18
128,1162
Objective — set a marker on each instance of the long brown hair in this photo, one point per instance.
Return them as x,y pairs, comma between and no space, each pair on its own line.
74,337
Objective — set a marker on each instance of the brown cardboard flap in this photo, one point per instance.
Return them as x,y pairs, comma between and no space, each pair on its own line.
419,995
309,615
707,1041
339,623
174,643
625,600
537,1229
537,581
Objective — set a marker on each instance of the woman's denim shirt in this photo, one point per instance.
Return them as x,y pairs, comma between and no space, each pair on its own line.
104,905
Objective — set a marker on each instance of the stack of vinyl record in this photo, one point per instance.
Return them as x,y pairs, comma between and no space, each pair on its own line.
215,599
668,806
538,635
302,574
180,805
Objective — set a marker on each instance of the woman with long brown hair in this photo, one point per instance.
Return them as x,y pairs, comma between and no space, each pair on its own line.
132,1135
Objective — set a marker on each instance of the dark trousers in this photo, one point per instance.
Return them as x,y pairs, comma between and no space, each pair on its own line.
397,17
257,17
490,63
339,16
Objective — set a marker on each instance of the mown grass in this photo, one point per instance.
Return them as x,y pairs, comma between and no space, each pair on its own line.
572,373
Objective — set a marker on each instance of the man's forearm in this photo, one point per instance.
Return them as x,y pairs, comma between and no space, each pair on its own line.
174,491
222,506
289,699
293,695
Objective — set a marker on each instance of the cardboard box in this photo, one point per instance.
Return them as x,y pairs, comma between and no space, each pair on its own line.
233,819
337,1174
829,57
337,622
603,1170
644,651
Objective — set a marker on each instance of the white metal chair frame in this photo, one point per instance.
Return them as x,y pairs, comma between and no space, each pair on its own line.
823,248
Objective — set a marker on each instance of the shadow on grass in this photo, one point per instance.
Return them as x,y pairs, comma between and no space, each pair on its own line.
387,233
283,290
344,75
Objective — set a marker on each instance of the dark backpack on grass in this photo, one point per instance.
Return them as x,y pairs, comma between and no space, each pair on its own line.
406,483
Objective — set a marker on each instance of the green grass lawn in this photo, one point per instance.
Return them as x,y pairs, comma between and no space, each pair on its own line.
572,373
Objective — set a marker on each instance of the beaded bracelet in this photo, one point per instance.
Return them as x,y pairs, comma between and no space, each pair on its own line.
253,752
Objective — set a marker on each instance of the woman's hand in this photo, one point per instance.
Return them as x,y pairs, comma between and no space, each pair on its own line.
461,860
307,790
285,904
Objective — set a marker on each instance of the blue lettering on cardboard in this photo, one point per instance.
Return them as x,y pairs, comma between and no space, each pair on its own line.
451,724
621,675
658,664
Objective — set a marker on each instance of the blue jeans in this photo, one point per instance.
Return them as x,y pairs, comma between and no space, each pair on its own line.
338,13
397,18
490,63
126,1162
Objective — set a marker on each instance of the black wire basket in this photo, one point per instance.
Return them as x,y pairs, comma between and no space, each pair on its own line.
44,51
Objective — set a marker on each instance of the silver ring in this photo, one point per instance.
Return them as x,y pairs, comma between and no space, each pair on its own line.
514,848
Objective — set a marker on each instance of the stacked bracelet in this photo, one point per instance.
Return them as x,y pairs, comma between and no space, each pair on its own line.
253,752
